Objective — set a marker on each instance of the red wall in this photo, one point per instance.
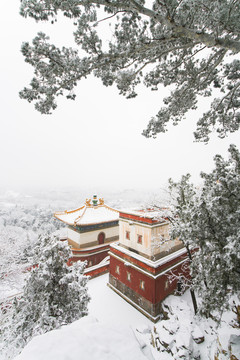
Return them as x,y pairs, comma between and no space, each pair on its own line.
98,271
161,291
155,289
136,276
95,258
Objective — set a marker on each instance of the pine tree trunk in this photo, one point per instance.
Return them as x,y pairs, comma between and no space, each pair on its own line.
194,300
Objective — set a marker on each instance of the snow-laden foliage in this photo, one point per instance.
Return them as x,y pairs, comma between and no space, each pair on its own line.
20,228
209,222
191,46
55,294
108,334
181,335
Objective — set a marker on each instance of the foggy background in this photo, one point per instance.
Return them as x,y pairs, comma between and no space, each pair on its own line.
90,145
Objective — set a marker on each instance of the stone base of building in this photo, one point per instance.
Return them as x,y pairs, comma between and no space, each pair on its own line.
152,311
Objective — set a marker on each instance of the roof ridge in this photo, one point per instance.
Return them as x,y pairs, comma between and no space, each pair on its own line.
110,208
58,213
72,211
80,216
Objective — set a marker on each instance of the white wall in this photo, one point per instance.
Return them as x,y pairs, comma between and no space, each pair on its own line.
135,229
74,236
155,239
90,238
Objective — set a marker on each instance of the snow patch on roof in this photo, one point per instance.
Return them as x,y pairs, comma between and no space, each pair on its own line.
88,215
149,262
69,217
97,215
150,214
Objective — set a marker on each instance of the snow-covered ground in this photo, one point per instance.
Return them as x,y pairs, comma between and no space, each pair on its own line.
109,308
108,332
85,339
116,330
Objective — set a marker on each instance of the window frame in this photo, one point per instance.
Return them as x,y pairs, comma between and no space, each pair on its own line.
127,235
166,286
142,285
129,275
139,237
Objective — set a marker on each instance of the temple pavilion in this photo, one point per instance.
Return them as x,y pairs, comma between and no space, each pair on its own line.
146,265
91,229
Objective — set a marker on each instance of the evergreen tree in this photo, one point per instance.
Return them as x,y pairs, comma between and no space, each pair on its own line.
211,222
187,45
217,227
55,294
184,194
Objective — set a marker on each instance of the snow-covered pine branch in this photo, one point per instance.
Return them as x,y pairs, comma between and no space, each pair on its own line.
189,44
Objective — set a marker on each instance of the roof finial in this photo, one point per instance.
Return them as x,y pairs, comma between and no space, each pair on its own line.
95,200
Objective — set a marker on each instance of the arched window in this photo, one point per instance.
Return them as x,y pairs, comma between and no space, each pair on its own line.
101,238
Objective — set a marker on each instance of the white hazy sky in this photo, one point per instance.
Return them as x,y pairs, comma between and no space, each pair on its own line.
94,141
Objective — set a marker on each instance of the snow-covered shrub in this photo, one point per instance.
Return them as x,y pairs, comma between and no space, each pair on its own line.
55,294
20,227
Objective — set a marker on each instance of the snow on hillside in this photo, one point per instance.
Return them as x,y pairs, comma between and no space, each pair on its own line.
106,334
84,339
116,330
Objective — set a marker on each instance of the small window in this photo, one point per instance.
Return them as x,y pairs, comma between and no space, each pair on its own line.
166,285
90,263
128,276
117,269
128,235
139,239
142,284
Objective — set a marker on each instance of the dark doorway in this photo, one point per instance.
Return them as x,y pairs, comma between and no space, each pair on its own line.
101,238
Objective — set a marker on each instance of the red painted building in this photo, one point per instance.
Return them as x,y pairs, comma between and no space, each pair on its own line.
144,262
91,230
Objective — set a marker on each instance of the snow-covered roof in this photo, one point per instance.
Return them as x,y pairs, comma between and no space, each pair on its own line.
151,214
145,215
92,212
152,263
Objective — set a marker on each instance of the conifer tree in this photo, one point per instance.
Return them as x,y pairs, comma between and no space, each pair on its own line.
211,222
185,196
217,227
55,294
